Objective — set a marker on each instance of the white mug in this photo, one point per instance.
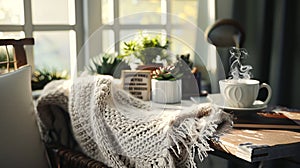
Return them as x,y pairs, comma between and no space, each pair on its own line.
242,93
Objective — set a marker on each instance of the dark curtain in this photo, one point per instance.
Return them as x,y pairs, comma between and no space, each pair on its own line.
273,42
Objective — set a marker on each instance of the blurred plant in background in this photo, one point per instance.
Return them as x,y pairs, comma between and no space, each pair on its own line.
41,77
147,48
107,64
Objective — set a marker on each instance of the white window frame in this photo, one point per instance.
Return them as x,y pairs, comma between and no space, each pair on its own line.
117,27
28,28
86,23
207,17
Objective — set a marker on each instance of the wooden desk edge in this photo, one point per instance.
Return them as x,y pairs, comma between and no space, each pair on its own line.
259,153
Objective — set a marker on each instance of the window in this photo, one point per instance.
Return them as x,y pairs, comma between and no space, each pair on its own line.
59,34
56,29
120,20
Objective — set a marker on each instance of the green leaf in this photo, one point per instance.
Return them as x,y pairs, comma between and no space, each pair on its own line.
159,78
167,76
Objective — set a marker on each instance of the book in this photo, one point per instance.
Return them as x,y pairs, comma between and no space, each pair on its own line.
275,119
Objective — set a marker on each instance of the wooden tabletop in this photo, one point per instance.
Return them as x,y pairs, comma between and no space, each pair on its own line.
260,144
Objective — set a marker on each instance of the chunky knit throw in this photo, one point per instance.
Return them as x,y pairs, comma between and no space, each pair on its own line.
112,126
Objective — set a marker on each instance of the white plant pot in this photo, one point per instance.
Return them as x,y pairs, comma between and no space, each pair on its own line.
164,91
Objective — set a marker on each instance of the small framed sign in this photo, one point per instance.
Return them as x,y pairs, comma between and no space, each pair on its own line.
137,82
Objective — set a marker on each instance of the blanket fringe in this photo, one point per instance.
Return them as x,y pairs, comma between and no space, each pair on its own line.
192,136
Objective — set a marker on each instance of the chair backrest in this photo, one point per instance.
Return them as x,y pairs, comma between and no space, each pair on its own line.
20,142
19,57
225,33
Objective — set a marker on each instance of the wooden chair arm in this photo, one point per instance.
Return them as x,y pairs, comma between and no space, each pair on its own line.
18,45
65,157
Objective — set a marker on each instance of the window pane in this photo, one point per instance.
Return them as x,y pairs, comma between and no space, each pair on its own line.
108,41
12,35
107,11
184,9
49,12
52,50
183,41
11,12
130,7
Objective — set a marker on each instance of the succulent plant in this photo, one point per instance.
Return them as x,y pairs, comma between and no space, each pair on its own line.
107,64
103,64
41,77
166,73
147,48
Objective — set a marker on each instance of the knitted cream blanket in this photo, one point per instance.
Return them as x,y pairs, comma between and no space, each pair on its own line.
113,127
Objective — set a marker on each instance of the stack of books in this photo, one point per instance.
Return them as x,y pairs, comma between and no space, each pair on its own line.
275,119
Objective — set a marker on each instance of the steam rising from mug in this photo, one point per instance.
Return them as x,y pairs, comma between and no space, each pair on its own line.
237,69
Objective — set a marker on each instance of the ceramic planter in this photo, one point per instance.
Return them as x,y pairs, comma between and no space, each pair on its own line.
165,91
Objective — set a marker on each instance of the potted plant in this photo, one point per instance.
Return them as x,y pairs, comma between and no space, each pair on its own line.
166,85
41,77
107,64
148,49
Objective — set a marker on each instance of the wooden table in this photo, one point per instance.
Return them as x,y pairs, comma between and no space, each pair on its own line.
259,138
255,146
260,145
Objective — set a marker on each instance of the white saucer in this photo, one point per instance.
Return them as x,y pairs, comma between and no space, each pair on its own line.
217,99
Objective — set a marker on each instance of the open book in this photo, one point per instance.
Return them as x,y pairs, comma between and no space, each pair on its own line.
276,119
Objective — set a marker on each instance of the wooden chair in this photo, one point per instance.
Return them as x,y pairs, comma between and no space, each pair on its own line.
16,109
19,57
21,144
64,153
